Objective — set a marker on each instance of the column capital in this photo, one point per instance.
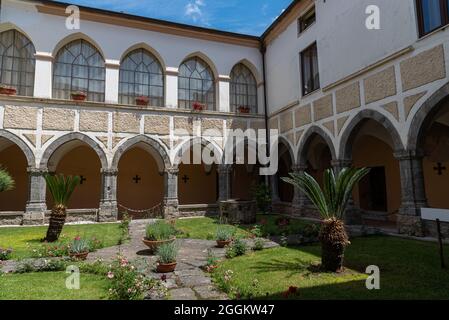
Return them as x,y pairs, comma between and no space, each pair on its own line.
408,154
37,171
299,168
109,172
172,170
342,163
224,168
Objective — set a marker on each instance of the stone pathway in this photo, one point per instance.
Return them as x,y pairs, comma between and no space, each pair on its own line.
188,282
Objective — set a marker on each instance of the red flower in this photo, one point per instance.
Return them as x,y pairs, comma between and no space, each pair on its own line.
163,277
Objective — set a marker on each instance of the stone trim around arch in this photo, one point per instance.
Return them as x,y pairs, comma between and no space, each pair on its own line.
153,144
424,115
345,147
51,149
289,148
307,139
31,160
218,153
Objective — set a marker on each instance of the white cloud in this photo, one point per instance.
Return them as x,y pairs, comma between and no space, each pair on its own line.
194,11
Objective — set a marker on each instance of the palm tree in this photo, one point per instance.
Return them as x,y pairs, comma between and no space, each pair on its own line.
331,201
61,189
6,181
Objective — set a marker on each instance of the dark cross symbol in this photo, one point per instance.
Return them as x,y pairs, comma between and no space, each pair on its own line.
185,179
137,179
440,168
82,179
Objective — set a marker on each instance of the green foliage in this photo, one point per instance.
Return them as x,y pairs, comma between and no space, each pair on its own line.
258,244
61,187
6,181
5,254
41,265
237,248
225,233
262,194
212,259
126,282
79,245
124,228
332,199
167,253
159,231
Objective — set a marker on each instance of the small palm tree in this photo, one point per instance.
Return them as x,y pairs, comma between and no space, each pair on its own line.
6,181
331,201
61,189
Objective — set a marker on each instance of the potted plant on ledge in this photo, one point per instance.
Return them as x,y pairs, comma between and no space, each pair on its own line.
159,233
78,96
142,101
167,254
8,90
79,249
197,106
243,109
224,236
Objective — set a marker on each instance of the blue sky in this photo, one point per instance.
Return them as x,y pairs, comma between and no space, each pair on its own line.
242,16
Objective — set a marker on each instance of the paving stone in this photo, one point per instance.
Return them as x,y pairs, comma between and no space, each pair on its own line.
189,272
194,281
209,293
182,294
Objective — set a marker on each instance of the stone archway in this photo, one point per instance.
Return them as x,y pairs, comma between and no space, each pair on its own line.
16,158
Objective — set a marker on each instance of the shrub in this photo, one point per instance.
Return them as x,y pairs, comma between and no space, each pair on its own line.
224,233
262,194
5,254
238,248
51,250
159,231
124,228
6,182
167,253
258,244
211,261
79,245
126,282
41,265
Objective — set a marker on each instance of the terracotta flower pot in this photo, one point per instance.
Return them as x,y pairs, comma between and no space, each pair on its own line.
78,97
166,267
142,101
79,256
223,243
8,91
153,245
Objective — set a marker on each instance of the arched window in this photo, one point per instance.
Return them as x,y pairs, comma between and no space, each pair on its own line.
196,84
141,75
243,89
79,67
17,62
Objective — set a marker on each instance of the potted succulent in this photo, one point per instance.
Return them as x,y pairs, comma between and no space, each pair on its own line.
243,109
142,101
79,249
224,236
9,90
197,106
167,254
78,96
159,233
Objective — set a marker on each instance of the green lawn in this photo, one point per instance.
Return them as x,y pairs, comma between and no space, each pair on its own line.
24,239
50,286
408,270
205,228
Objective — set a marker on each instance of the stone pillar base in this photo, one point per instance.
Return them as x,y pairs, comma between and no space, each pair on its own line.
353,216
33,218
108,211
171,209
410,225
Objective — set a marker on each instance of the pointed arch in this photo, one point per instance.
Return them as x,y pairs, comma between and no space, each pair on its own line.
350,133
150,145
243,89
73,138
307,140
254,70
145,46
21,144
188,144
77,36
206,59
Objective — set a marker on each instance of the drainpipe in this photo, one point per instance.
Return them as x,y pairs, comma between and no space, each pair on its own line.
263,51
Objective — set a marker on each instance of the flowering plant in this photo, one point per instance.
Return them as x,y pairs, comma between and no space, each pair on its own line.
6,89
79,245
197,106
5,254
243,109
142,101
126,282
78,95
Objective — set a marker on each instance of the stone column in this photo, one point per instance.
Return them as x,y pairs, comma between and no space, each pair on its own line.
274,189
413,194
108,201
171,203
353,215
36,205
224,182
300,200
